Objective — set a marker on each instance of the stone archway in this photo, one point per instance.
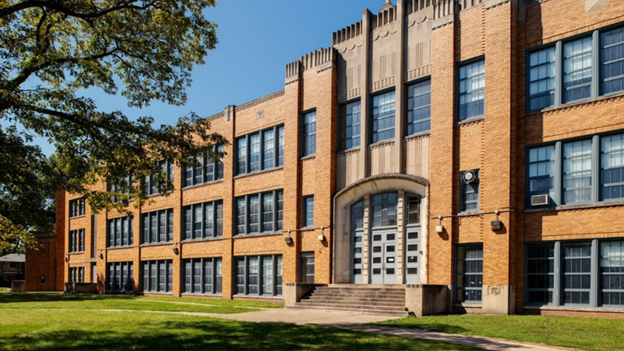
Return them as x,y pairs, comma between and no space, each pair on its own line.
363,189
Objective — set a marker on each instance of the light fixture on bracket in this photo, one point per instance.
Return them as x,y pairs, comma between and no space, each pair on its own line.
288,239
175,248
439,228
496,225
321,237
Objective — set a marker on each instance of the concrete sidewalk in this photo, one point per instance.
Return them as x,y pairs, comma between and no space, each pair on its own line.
359,322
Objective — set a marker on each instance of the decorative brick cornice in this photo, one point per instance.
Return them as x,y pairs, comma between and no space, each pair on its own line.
260,100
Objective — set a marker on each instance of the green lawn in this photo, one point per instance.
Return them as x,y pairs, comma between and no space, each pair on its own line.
125,302
70,325
580,333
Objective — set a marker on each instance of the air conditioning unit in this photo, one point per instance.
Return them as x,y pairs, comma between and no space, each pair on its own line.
540,200
469,177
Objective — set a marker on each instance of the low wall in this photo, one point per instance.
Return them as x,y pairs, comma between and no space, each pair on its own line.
426,300
293,292
80,288
18,286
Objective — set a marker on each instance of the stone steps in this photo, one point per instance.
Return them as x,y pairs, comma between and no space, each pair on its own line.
365,299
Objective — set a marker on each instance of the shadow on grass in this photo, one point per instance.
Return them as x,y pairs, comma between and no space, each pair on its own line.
25,297
212,334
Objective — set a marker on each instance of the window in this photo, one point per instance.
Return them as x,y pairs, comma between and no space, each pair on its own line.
469,278
308,211
207,170
13,265
157,226
419,107
612,61
612,167
260,150
472,90
256,213
469,201
384,208
413,209
542,171
121,191
202,276
119,277
384,109
120,232
258,275
202,221
577,171
307,268
542,78
158,276
76,208
576,273
309,133
76,274
540,273
350,125
76,241
612,273
151,182
577,69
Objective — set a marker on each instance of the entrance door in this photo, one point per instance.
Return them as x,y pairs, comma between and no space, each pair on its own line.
412,256
384,257
357,256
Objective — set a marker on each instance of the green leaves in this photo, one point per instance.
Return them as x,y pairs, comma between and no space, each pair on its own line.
51,50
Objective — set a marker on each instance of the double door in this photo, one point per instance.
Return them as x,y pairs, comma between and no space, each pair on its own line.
383,257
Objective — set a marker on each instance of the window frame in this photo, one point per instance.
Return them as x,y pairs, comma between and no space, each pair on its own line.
305,136
458,93
305,276
150,185
408,110
276,276
344,139
126,226
204,164
372,132
216,286
167,279
76,241
456,260
277,226
217,223
462,192
307,220
168,225
278,151
77,208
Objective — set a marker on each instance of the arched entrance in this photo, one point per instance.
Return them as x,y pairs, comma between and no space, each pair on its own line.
380,231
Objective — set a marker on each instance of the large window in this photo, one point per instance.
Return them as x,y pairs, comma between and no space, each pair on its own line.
469,187
158,276
612,61
76,274
260,150
384,109
419,107
469,269
612,167
76,241
120,232
572,165
542,78
471,90
202,221
76,208
308,211
157,226
309,134
350,125
208,168
258,275
119,277
413,209
540,273
577,171
259,213
121,190
151,182
542,171
202,275
578,78
384,208
563,273
306,273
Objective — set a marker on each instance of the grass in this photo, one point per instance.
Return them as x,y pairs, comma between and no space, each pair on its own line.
4,290
580,333
24,327
125,302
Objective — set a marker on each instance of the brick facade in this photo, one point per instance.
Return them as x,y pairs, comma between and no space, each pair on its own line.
409,42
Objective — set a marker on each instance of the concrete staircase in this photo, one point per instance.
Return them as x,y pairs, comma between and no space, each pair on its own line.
367,299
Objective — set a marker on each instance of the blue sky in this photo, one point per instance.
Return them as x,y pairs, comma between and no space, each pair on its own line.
257,38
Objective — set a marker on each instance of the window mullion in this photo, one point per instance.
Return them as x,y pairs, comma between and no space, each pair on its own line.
247,228
557,278
247,155
261,148
276,146
595,87
558,73
203,222
558,173
595,258
595,172
275,211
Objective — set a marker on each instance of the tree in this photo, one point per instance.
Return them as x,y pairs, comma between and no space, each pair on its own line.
50,51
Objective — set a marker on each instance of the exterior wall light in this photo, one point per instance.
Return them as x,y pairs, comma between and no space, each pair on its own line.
288,239
439,228
101,256
321,237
